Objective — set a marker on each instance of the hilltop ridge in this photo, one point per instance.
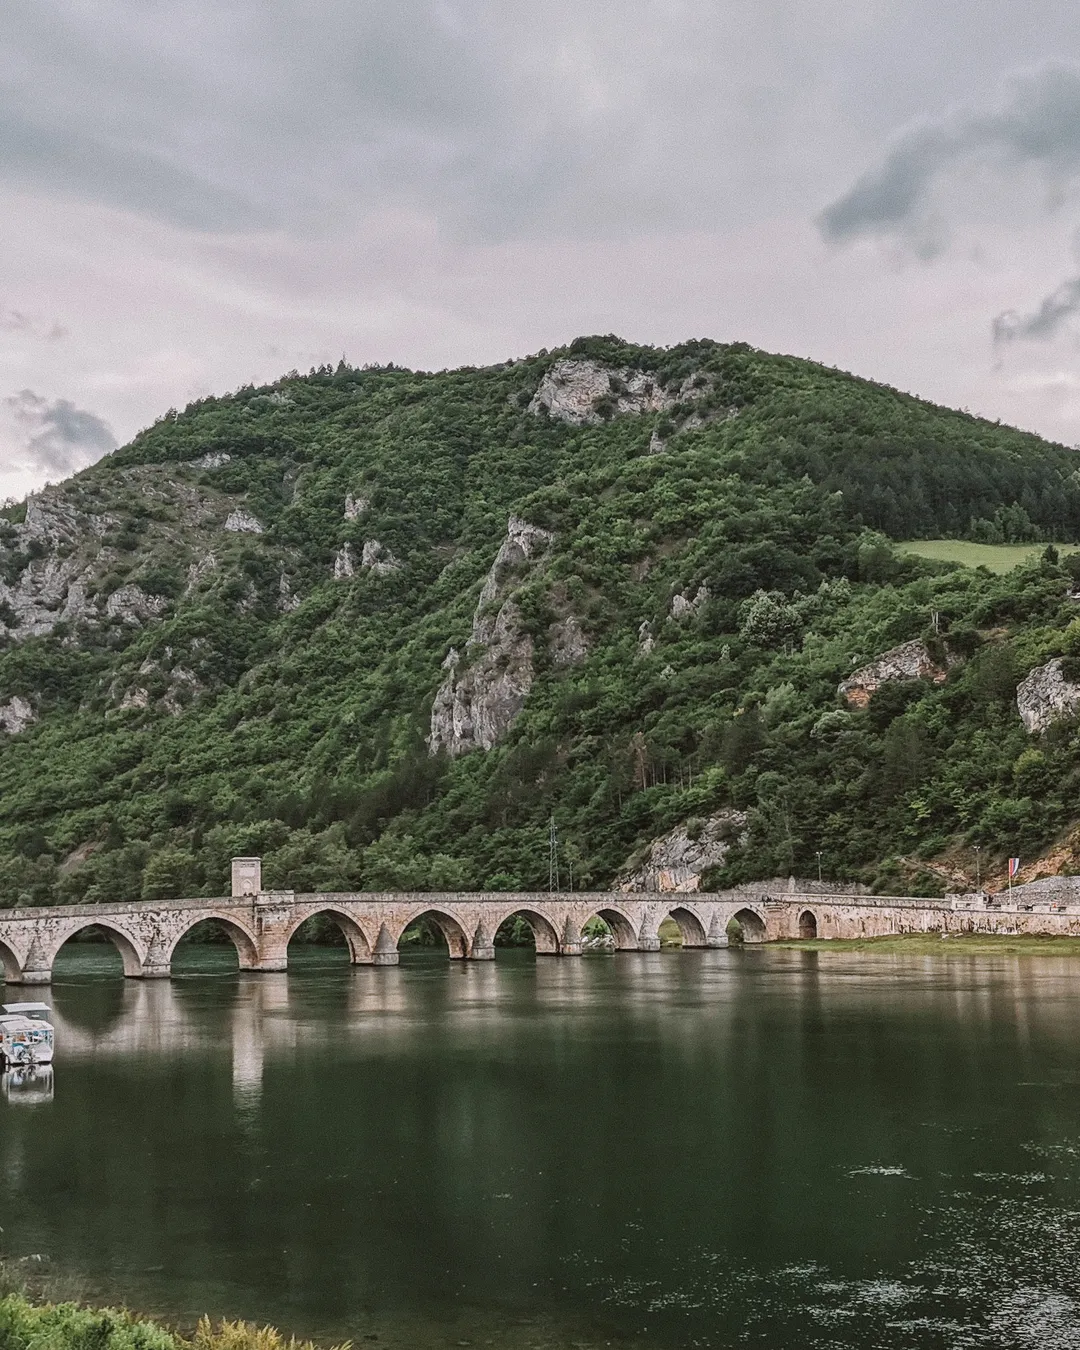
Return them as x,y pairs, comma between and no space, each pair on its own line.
378,626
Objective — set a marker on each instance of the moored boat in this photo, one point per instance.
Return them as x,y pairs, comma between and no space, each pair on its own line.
25,1036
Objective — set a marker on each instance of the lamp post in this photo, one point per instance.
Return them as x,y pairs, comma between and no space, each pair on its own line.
818,853
978,867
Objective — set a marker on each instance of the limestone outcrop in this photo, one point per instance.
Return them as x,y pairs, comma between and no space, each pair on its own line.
377,558
581,391
569,644
484,691
677,859
344,567
1045,696
214,459
355,506
16,715
131,605
239,521
684,606
909,661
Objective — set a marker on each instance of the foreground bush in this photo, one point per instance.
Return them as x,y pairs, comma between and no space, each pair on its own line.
67,1326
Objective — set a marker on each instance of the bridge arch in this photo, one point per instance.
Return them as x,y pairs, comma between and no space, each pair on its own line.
10,963
449,925
622,929
808,925
132,952
359,944
691,929
750,923
247,951
545,937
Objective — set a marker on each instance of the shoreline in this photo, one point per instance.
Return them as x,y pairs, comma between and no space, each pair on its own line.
939,944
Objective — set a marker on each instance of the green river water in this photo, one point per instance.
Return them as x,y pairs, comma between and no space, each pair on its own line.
675,1149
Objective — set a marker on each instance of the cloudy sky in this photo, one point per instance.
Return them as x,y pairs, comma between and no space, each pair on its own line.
195,194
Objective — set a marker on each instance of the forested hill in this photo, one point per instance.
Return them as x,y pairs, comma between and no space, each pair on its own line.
379,626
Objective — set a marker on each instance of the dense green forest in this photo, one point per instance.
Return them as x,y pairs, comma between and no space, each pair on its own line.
261,704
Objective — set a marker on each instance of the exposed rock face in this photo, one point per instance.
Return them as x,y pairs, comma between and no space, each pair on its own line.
215,459
572,388
355,506
286,602
344,566
909,661
475,706
131,604
16,715
181,685
199,571
646,640
377,558
675,862
685,607
657,444
1045,696
240,521
569,645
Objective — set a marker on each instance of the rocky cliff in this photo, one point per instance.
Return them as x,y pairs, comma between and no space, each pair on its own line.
1044,696
485,689
909,661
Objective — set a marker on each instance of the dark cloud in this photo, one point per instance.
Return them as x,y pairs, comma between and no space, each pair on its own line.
62,438
1037,124
1045,321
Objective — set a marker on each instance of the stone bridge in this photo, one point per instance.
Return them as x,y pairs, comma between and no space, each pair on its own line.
261,923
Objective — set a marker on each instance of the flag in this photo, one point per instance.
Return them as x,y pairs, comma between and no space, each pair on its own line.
1014,867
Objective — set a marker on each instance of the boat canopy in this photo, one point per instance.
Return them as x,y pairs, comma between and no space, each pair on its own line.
17,1009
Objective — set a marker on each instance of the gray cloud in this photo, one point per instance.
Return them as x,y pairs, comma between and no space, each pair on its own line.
62,437
1038,124
68,160
1045,321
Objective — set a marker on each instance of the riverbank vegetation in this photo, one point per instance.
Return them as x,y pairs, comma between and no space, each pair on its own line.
33,1325
715,570
942,944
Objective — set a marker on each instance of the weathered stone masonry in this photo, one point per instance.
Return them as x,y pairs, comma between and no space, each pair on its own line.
261,923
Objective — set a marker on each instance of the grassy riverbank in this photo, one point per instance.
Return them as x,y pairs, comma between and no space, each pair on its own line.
933,944
27,1324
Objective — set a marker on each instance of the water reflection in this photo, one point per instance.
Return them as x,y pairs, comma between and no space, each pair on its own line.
666,1149
28,1086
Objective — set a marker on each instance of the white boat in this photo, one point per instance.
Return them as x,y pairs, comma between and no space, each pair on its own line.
25,1036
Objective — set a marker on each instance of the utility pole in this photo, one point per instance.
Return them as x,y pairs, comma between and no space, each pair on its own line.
553,858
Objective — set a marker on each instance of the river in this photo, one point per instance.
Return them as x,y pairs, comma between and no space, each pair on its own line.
679,1149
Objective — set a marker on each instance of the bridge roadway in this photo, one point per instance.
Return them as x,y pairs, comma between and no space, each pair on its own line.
261,923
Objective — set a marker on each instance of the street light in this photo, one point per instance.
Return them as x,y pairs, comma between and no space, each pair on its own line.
978,867
818,852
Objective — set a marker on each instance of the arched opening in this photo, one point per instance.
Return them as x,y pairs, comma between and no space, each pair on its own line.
328,937
96,951
525,930
434,933
213,946
10,963
682,928
745,926
608,930
808,924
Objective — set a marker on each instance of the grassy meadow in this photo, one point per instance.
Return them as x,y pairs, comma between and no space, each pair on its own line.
999,558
